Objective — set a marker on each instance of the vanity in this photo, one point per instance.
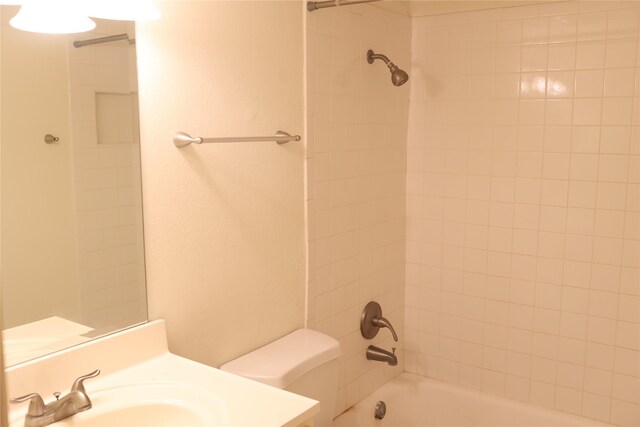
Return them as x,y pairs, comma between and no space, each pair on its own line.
142,384
73,256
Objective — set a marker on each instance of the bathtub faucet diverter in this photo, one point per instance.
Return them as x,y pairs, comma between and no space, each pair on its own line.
381,355
371,321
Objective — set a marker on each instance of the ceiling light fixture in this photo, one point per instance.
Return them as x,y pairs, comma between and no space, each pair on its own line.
52,17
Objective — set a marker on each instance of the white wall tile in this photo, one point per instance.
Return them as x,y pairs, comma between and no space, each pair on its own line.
555,181
358,203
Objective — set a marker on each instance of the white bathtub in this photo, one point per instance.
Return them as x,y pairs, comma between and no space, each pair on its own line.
415,401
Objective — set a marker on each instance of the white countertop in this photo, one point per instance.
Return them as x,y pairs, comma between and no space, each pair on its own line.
138,359
35,339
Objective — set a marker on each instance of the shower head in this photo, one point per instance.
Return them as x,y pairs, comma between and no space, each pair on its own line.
398,76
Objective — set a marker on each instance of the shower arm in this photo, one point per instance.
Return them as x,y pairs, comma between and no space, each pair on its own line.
373,56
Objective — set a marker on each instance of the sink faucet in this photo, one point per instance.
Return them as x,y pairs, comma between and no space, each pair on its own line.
40,415
381,355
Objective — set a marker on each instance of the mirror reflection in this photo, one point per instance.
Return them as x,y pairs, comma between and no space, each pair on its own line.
72,256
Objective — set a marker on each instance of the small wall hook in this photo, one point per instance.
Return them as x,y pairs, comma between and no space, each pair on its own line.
50,139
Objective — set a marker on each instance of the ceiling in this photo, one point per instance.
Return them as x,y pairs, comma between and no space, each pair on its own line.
438,7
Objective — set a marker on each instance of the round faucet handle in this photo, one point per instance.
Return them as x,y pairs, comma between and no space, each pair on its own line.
57,395
371,321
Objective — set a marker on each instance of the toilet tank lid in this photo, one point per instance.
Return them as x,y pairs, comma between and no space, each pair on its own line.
285,360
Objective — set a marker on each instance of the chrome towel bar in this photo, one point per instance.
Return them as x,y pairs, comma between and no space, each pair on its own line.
117,37
182,139
315,5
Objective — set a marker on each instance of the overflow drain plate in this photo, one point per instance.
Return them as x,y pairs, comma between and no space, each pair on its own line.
381,410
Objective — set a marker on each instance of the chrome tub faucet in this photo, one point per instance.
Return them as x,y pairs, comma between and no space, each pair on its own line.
40,415
371,321
381,355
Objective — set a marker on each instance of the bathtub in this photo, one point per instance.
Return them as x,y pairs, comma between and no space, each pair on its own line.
415,401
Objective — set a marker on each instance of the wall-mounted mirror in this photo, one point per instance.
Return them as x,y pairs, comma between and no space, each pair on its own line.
71,243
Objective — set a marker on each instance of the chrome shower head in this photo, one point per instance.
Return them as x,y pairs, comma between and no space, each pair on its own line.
398,76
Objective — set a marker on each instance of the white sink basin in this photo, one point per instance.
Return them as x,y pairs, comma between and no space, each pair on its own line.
152,405
149,415
158,404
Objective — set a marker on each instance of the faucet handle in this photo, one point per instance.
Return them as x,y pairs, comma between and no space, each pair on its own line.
78,384
371,321
36,404
382,322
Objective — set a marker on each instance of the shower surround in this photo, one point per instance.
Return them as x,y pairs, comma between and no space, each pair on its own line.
518,271
356,149
522,274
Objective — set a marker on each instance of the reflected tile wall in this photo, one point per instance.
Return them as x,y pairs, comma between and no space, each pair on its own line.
523,214
356,142
107,183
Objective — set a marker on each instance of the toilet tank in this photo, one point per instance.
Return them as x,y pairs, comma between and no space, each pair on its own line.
304,362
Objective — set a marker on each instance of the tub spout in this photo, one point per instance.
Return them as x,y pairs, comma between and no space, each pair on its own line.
381,355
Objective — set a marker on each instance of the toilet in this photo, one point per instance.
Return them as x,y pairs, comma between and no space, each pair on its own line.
304,362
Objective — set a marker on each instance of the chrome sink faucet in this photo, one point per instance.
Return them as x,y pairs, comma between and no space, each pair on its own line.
40,415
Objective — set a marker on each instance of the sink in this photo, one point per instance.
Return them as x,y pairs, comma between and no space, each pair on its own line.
150,415
148,405
153,404
142,384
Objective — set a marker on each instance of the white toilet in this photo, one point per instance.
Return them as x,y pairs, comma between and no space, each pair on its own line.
304,362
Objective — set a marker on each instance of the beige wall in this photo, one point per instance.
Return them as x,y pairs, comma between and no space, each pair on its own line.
3,388
38,257
357,123
224,223
523,262
3,399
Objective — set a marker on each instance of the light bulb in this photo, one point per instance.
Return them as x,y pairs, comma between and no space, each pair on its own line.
52,17
123,10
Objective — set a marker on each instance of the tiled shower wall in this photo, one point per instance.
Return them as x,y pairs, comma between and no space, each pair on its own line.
356,136
523,214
